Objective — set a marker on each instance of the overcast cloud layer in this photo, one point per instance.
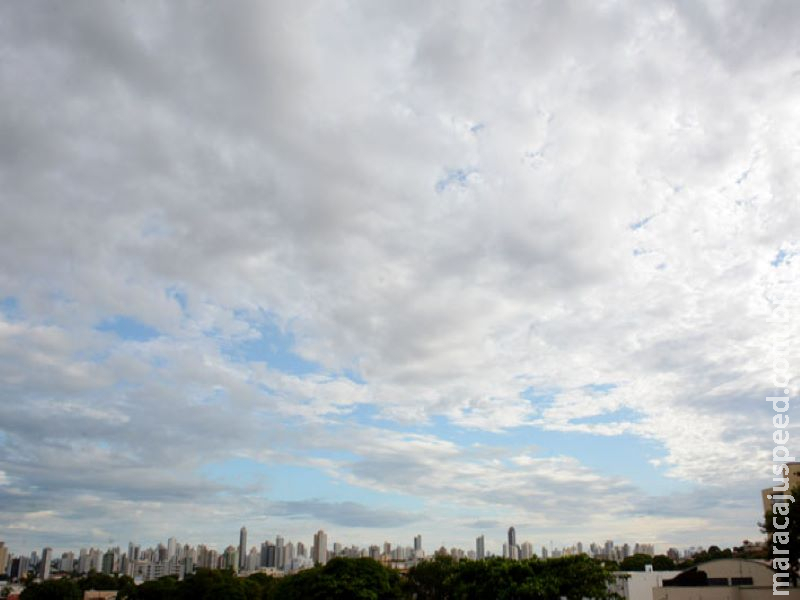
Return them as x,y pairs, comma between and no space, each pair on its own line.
388,268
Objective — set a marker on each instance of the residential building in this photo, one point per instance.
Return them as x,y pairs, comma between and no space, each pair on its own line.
243,548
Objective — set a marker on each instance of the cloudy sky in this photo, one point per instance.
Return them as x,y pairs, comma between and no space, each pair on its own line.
388,269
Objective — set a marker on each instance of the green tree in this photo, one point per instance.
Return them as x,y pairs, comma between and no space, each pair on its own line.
637,562
165,588
432,579
573,577
52,589
662,562
342,579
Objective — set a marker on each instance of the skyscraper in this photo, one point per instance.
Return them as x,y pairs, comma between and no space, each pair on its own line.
279,555
44,566
319,554
243,548
513,549
3,557
417,543
480,552
172,547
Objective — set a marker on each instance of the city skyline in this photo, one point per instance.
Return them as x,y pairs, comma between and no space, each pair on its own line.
88,558
398,268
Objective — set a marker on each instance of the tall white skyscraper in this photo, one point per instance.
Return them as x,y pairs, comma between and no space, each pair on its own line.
243,548
480,551
44,566
526,551
319,553
172,547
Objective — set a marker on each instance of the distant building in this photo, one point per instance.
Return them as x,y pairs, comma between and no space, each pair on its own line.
231,559
3,558
108,562
243,548
480,548
19,568
319,553
172,547
44,565
526,551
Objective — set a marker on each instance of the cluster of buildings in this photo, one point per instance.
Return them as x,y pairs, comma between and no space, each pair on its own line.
271,557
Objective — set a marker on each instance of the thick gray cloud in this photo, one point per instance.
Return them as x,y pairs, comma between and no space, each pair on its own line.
449,210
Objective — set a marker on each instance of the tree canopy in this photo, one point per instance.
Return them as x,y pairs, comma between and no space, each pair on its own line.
442,578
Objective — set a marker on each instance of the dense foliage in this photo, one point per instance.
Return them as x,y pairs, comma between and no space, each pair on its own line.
638,562
573,578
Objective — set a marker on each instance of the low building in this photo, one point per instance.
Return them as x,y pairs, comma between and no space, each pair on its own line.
100,595
638,585
723,579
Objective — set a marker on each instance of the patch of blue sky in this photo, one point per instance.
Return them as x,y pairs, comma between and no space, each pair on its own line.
294,483
622,415
602,388
179,296
128,328
639,224
9,306
455,178
780,258
275,347
540,397
369,415
626,455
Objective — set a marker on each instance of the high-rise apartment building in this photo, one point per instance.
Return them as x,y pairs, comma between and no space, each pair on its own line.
172,547
417,543
243,548
279,552
319,553
513,550
3,558
526,551
44,565
480,549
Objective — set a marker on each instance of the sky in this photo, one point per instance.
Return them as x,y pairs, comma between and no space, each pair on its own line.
388,269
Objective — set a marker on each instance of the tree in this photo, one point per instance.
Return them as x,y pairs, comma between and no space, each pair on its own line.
342,579
52,589
637,562
662,562
573,577
166,588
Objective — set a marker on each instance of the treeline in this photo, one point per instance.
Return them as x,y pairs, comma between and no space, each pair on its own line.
573,578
